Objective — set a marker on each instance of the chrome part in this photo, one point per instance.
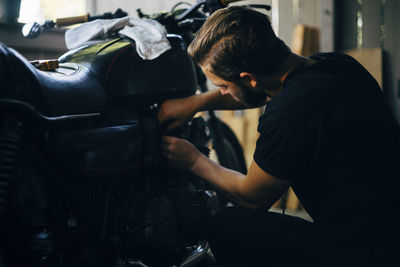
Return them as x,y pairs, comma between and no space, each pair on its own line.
196,256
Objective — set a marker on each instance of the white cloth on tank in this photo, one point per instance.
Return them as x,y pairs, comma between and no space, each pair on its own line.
149,35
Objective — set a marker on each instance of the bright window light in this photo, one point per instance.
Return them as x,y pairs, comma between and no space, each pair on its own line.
41,10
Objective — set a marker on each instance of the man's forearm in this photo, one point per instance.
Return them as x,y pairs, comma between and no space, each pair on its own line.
214,100
225,181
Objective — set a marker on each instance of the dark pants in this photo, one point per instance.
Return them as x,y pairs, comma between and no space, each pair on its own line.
247,238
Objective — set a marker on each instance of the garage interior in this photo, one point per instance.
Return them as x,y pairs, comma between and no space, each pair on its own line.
368,30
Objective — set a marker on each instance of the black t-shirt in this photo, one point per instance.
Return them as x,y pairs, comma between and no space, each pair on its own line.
331,133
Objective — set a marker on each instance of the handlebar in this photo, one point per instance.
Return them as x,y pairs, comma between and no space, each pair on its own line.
211,5
71,20
34,29
226,2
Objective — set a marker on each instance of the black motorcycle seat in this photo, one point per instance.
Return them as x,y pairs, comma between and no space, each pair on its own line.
70,89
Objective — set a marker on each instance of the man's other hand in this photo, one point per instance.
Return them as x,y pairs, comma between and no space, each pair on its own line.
179,153
176,112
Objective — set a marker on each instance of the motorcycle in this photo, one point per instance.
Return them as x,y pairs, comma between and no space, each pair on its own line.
82,179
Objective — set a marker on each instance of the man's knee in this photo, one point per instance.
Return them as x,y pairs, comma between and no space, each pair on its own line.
217,225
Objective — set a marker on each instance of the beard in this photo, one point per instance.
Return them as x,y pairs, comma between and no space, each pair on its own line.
251,98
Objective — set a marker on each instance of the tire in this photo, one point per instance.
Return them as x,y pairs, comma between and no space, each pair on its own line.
228,149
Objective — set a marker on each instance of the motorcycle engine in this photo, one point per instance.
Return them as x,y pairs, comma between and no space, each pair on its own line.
167,216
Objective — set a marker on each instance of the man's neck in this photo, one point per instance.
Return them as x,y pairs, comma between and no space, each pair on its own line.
292,62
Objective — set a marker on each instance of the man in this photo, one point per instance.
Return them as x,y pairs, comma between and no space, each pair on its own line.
326,132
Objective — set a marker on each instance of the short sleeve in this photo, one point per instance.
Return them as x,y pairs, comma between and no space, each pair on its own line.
286,145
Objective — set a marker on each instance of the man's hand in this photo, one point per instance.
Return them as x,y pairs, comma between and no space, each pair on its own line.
180,153
176,112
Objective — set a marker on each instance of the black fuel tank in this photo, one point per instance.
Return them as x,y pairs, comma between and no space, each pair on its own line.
128,79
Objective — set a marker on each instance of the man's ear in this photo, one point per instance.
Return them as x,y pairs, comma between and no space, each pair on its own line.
249,79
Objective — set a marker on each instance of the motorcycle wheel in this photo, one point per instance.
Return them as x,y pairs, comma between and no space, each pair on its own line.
230,152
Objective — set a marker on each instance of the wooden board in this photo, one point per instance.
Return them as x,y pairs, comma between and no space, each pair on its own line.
371,59
306,40
244,124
